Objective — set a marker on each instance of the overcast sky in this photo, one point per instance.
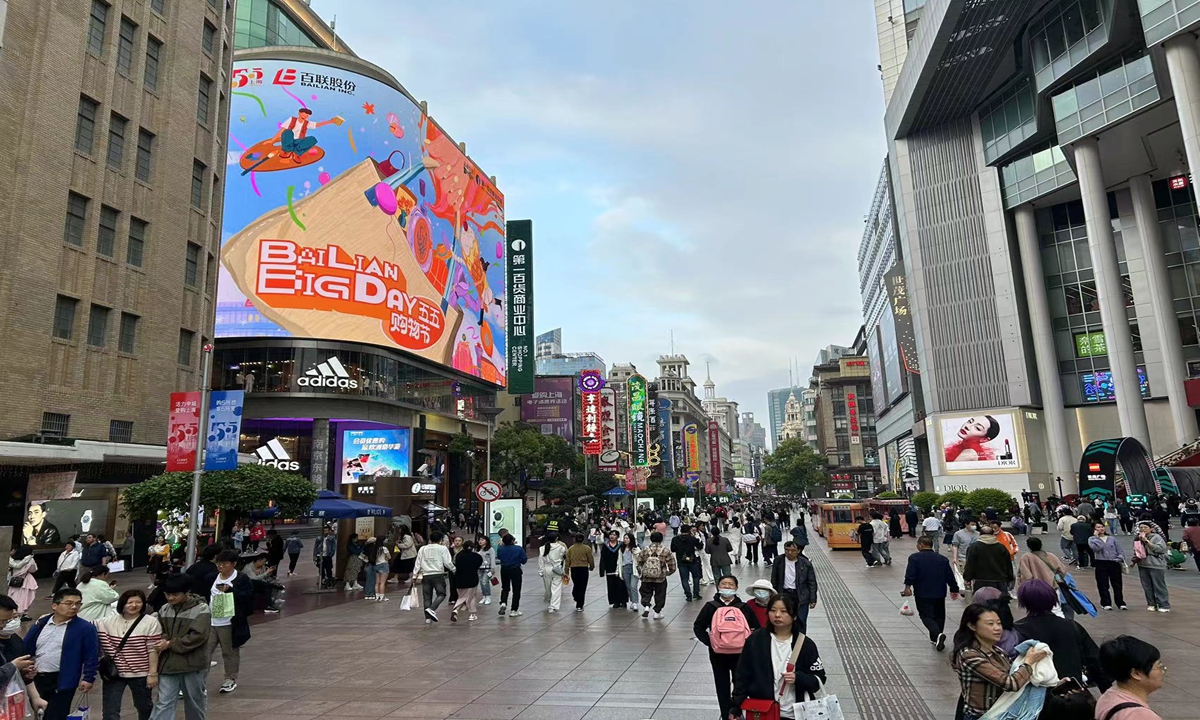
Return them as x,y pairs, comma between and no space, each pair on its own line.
695,166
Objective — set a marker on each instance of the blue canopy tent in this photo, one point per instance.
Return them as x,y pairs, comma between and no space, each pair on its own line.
331,506
617,492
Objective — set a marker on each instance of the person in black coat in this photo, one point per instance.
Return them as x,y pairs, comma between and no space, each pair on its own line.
758,673
1075,652
910,517
226,579
802,583
203,571
723,664
894,523
466,581
927,578
274,548
610,569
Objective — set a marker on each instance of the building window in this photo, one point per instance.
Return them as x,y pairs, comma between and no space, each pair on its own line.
116,141
96,26
64,317
85,125
208,40
145,154
191,266
126,39
185,346
55,424
153,58
261,22
216,195
120,431
137,242
198,184
98,326
77,206
128,339
106,240
159,6
202,100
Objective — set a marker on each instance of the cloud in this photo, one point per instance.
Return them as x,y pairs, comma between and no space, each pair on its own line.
697,166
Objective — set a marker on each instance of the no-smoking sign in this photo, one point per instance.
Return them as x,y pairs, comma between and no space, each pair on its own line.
488,491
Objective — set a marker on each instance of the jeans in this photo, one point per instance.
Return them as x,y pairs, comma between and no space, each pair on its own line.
932,612
720,571
1067,546
868,553
579,583
231,656
723,667
485,583
802,616
1127,525
936,537
430,585
884,553
656,589
369,587
1113,524
510,579
631,581
1108,572
114,691
59,700
290,143
326,565
1154,585
195,696
690,569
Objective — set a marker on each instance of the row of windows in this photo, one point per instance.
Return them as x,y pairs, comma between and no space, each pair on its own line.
65,309
85,139
59,425
1062,39
259,23
106,238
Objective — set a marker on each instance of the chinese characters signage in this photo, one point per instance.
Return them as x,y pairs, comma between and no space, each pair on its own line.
664,426
590,383
714,451
610,458
638,430
1090,344
224,429
520,306
897,290
852,416
691,445
551,407
183,431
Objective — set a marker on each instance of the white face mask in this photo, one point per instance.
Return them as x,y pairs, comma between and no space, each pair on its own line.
727,593
762,595
11,627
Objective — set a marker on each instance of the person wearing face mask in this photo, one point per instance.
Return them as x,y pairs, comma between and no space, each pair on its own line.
962,541
13,658
723,625
760,592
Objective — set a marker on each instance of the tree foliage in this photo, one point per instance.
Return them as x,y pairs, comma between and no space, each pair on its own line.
236,492
954,497
520,451
888,495
925,500
984,498
663,490
793,468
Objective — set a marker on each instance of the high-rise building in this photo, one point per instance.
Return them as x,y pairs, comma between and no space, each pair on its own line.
551,360
116,113
264,23
1041,155
777,409
548,344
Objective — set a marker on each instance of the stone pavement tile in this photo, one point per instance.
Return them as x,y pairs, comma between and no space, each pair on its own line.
618,713
553,712
247,706
366,709
581,674
438,711
392,691
477,711
452,695
639,688
597,686
472,681
586,699
629,700
510,697
307,707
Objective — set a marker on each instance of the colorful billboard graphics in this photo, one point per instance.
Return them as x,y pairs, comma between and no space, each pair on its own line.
714,452
691,446
224,429
590,384
349,215
664,425
551,407
979,443
520,309
383,452
183,431
610,457
638,430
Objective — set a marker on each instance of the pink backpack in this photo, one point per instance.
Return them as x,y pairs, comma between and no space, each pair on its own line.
729,630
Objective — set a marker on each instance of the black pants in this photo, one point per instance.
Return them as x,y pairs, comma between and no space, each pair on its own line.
1108,572
59,701
293,558
868,553
1083,555
1127,525
1196,557
64,579
723,666
579,581
114,692
932,612
752,552
510,580
769,552
327,570
657,590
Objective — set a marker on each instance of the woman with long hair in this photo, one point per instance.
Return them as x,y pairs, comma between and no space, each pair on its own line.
610,567
629,550
135,657
380,558
483,546
21,567
552,567
1150,552
99,597
404,556
983,669
763,667
160,554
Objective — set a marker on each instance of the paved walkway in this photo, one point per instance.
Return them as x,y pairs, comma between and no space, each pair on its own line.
330,657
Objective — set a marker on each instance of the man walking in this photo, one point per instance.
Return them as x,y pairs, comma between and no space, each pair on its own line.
66,651
962,542
926,579
656,564
988,562
93,555
1108,559
772,536
882,544
1066,541
183,651
687,554
910,517
793,574
931,527
866,542
324,552
433,565
1081,533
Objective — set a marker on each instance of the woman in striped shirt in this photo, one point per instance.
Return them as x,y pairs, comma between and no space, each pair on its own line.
137,662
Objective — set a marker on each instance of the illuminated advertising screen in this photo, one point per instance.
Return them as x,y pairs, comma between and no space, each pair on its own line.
1090,344
382,452
349,215
1099,387
551,407
981,442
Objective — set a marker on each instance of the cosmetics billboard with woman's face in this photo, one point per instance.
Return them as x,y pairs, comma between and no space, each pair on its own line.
980,442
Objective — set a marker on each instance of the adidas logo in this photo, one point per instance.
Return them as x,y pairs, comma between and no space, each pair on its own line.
331,374
274,455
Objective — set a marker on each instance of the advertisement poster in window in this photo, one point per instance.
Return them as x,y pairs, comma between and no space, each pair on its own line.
375,453
982,442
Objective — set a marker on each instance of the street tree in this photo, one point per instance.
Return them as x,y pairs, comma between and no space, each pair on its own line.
237,492
521,452
793,468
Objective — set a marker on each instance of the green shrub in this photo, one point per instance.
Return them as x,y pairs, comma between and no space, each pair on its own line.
845,496
954,497
889,495
925,500
984,498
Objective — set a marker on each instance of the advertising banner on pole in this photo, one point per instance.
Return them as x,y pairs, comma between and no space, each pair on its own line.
519,236
224,429
610,457
551,407
590,384
664,426
183,430
638,438
714,452
691,446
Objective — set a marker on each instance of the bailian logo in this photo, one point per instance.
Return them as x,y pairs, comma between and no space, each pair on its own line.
274,455
331,374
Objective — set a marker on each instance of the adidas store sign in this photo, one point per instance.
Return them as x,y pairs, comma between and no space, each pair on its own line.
329,374
276,456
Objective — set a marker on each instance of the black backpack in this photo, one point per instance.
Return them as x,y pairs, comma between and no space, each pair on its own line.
776,533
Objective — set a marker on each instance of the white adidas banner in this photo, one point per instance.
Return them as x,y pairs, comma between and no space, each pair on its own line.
330,374
274,454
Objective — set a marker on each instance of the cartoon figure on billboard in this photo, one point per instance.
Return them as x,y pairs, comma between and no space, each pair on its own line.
973,438
296,146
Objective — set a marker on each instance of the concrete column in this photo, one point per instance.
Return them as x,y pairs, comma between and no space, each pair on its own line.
1043,345
319,470
1183,418
1183,66
1113,315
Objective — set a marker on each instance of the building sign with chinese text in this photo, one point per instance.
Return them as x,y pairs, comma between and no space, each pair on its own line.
852,416
590,383
551,407
691,446
519,236
183,431
638,432
610,458
714,451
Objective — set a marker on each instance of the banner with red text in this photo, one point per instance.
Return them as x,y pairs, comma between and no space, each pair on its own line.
183,431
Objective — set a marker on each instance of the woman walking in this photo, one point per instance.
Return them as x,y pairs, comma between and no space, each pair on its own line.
552,567
130,639
354,562
763,668
67,567
483,546
467,564
404,557
629,551
580,563
378,569
1150,553
983,669
22,587
724,659
99,598
610,563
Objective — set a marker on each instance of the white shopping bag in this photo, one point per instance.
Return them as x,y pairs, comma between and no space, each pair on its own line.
14,703
958,578
116,566
825,707
907,607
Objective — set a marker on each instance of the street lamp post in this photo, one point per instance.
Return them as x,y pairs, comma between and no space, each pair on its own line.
198,471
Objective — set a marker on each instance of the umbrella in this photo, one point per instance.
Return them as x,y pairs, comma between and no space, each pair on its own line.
331,506
617,491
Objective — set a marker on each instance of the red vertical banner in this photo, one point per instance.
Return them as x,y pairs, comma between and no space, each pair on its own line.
714,452
590,384
183,431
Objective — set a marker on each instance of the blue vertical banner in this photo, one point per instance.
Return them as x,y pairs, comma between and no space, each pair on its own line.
224,429
664,425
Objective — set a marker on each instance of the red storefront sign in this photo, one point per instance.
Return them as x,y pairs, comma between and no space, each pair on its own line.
183,431
852,412
714,451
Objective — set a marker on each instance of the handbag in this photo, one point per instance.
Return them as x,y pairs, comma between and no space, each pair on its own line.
14,701
108,664
16,582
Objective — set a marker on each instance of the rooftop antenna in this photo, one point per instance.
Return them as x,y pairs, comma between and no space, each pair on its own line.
672,342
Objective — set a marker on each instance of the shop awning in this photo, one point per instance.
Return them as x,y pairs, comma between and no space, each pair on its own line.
618,491
331,506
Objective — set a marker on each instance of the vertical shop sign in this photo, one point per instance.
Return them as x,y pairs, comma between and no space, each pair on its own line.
691,442
519,266
664,431
590,384
224,429
610,458
183,430
638,440
714,451
852,416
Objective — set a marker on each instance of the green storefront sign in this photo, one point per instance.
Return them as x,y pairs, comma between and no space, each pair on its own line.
519,272
1090,344
638,441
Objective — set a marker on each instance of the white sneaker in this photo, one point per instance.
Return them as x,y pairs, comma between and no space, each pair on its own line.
515,613
553,610
1107,607
658,616
487,601
472,618
1150,609
1164,609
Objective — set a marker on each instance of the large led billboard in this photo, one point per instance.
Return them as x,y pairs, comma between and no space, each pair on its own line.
383,452
349,215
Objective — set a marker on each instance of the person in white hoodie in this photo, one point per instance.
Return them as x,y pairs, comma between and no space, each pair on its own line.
551,566
734,535
433,566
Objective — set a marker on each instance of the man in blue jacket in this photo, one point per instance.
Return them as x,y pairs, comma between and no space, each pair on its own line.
927,577
66,650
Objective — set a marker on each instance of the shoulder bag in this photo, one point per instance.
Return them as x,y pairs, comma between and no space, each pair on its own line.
759,709
108,665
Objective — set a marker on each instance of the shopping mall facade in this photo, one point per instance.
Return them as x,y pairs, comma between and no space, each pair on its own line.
1040,159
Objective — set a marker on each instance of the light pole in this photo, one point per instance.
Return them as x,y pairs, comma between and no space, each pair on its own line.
201,438
491,413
